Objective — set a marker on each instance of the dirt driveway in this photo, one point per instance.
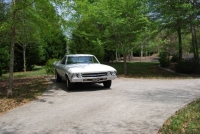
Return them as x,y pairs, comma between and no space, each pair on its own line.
131,106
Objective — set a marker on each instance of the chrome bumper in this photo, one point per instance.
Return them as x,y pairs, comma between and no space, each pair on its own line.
92,79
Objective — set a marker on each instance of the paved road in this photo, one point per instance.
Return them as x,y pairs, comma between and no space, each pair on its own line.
131,106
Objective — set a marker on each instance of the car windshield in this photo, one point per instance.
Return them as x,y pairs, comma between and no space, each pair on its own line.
81,60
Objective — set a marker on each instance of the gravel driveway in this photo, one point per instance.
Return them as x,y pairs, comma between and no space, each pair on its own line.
131,106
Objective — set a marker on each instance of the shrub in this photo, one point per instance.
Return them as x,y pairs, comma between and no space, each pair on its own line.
33,56
164,60
4,58
49,66
187,67
1,71
174,58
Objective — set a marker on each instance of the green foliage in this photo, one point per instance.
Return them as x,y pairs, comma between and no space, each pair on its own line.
188,67
34,56
108,25
56,46
1,72
109,55
164,59
49,66
82,45
4,58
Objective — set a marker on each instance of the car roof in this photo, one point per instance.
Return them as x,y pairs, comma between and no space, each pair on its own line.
79,55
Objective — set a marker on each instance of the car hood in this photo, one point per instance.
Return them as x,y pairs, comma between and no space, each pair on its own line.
89,68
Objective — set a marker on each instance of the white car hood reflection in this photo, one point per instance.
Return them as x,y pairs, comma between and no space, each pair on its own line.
89,68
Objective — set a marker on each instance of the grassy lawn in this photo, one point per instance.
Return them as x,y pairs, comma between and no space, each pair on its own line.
37,71
185,121
144,70
29,85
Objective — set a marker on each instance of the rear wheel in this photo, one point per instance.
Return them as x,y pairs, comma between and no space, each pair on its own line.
107,84
57,76
68,84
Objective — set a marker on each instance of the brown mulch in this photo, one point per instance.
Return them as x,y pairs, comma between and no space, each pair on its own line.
25,90
172,66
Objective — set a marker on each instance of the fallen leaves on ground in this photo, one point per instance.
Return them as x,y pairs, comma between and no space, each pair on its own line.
25,90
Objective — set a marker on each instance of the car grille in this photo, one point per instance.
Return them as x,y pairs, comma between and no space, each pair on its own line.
94,74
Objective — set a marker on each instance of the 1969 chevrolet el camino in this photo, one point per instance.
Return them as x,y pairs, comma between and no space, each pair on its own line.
82,68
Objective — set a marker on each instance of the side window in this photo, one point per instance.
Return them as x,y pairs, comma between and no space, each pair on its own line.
63,60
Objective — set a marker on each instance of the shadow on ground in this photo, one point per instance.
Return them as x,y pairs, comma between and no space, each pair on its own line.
79,87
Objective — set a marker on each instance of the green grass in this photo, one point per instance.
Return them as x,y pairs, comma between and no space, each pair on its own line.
186,120
37,71
143,70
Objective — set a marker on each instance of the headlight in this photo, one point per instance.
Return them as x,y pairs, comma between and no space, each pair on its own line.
112,73
76,75
108,73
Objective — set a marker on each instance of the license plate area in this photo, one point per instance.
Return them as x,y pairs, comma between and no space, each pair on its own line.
95,80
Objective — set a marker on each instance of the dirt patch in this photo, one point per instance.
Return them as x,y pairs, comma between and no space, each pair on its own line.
25,90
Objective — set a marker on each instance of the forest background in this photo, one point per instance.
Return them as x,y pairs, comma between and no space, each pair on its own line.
33,32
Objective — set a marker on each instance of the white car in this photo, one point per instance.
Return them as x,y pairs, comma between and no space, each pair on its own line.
83,68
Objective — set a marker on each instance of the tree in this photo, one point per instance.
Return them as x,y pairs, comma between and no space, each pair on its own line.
27,33
124,21
194,6
172,15
4,50
16,9
116,25
180,16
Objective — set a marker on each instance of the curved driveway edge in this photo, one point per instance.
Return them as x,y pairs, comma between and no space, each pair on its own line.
131,106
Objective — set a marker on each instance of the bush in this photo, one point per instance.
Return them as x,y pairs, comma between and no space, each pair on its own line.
188,67
174,58
164,60
1,71
109,55
33,56
49,66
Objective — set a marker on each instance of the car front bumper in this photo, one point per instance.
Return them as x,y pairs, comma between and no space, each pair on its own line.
92,79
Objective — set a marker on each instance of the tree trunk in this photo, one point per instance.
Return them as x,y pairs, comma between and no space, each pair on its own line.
13,33
125,66
131,55
141,53
116,55
146,53
179,43
24,57
194,38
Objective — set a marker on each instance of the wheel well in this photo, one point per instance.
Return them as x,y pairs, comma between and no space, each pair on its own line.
66,76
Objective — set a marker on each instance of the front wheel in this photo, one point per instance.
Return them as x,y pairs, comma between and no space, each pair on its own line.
69,84
58,78
107,84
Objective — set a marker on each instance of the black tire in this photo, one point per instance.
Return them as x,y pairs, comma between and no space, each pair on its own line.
58,78
107,84
69,84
